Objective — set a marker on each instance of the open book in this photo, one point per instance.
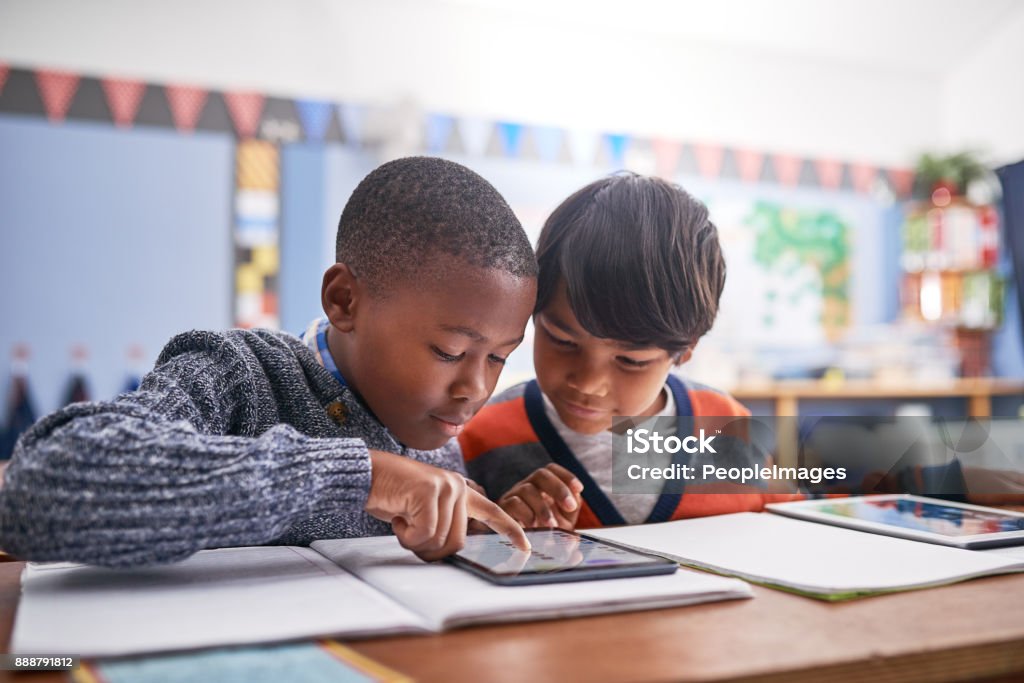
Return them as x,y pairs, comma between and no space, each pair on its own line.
345,588
809,558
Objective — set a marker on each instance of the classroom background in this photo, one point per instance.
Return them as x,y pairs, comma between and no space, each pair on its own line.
170,166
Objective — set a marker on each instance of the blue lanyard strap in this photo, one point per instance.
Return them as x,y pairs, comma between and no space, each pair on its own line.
325,353
669,500
560,452
602,506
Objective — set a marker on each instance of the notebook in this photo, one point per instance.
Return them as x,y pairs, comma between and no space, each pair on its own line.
817,560
348,588
306,662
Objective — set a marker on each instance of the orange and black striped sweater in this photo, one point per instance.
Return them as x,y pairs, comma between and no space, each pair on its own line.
512,436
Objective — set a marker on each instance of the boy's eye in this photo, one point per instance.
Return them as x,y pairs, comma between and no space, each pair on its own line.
447,357
558,341
633,363
496,359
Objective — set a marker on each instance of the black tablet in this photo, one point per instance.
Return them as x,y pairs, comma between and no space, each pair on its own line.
557,556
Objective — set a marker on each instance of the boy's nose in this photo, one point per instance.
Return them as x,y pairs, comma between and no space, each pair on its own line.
471,386
588,378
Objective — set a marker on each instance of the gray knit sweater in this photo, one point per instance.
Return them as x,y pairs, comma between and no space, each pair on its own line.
235,438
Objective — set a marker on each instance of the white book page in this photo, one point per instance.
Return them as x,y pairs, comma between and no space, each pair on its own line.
447,596
816,558
1014,551
216,597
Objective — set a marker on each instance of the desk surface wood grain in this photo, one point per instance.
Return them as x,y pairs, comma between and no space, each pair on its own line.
969,631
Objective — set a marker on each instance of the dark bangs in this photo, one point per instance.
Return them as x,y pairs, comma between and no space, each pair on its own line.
640,259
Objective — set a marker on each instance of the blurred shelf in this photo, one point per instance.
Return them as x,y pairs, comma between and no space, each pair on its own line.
787,393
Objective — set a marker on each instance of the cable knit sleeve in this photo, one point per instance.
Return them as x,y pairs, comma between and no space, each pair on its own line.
447,457
189,461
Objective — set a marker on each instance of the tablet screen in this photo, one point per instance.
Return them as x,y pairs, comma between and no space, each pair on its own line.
935,518
553,551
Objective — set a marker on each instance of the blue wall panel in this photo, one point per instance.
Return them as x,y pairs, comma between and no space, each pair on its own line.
108,238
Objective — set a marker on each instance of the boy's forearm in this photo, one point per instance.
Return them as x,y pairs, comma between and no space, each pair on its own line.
110,485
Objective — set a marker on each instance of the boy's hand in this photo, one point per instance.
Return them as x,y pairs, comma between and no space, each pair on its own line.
550,497
994,487
475,526
428,507
476,487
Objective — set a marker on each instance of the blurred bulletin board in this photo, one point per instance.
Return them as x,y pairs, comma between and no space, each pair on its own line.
109,238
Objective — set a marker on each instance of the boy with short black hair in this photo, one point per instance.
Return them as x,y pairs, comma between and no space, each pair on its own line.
253,436
631,273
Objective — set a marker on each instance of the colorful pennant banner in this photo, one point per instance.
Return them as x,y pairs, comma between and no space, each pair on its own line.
57,89
187,104
262,123
251,115
315,117
245,109
510,135
123,97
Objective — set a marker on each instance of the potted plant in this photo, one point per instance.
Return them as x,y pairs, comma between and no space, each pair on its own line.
947,175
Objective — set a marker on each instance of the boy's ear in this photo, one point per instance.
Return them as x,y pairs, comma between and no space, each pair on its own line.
340,296
685,355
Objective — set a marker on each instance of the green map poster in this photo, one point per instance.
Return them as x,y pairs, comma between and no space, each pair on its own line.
789,270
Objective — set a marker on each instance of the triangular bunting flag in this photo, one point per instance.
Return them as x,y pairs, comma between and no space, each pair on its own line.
279,123
245,109
476,133
438,130
186,104
353,119
902,180
315,117
123,98
830,173
749,163
527,145
639,157
583,146
709,159
666,155
4,70
214,116
787,168
616,144
509,134
549,140
863,177
57,89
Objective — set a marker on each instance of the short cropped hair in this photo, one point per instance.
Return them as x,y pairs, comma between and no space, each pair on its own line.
640,259
410,211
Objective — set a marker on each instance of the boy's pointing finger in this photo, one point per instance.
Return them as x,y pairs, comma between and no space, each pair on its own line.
478,507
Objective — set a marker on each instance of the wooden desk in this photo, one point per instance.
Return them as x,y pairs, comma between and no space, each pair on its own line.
969,631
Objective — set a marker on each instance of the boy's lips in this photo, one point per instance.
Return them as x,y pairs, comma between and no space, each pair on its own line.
581,410
452,426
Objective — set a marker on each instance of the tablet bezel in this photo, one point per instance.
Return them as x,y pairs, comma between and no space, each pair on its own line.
808,510
658,565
